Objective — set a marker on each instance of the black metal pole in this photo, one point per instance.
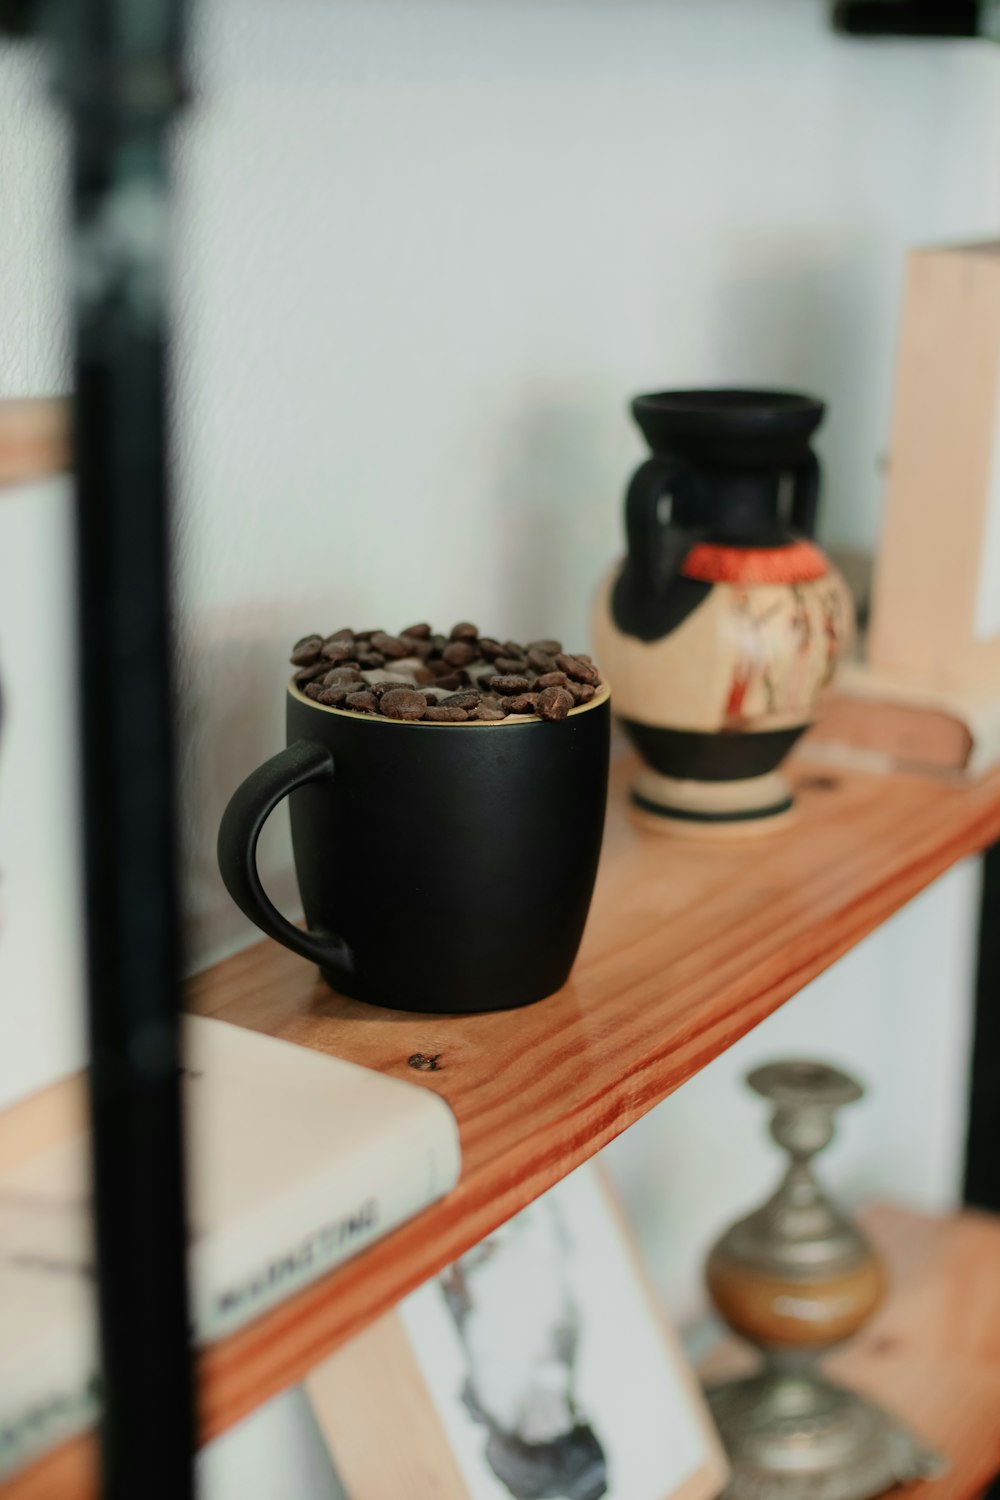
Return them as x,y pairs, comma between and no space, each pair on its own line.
917,18
982,1147
119,74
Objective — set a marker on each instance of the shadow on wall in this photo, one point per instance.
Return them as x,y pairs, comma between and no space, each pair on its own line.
562,462
232,681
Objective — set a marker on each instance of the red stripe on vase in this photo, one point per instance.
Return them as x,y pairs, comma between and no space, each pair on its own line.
799,562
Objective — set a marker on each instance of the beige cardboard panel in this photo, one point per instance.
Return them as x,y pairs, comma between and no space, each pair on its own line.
941,459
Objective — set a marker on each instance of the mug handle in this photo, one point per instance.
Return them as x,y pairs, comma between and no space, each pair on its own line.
249,808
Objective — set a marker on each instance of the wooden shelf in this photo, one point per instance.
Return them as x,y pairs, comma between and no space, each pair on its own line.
932,1353
689,945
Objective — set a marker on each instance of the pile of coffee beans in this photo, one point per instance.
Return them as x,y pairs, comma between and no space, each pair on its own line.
418,675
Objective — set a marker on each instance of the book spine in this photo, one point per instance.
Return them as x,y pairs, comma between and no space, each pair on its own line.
240,1274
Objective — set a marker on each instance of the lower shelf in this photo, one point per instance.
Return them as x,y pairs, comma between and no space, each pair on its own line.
932,1355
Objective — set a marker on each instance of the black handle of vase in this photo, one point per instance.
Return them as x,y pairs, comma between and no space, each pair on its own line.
249,808
805,496
657,547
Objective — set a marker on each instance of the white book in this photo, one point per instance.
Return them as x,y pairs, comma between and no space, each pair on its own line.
296,1161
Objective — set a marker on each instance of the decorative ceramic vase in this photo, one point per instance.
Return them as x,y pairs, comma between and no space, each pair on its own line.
725,622
796,1278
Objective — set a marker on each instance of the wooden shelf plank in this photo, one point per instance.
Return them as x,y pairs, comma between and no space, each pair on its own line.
932,1353
689,945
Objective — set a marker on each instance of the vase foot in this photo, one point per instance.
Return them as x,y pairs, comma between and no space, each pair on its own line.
804,1438
700,809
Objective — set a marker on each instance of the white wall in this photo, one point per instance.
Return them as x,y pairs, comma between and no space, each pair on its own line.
426,249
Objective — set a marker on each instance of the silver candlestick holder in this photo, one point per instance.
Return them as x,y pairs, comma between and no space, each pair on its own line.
795,1278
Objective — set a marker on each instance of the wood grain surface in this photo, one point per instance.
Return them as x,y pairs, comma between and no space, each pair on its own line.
689,945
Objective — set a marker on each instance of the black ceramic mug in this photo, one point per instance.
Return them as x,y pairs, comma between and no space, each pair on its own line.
442,867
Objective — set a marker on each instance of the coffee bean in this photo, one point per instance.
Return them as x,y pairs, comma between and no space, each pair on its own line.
540,660
445,715
516,680
403,703
307,674
467,699
579,670
389,645
554,703
362,703
342,645
337,654
305,652
459,653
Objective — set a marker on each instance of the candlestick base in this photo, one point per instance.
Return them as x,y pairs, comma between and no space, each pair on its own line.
800,1437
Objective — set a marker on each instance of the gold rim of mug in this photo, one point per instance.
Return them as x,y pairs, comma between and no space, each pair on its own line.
601,696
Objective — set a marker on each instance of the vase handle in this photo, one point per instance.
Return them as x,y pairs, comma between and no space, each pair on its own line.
656,546
805,496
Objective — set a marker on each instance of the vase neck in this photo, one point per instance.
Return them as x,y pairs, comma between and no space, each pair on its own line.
733,507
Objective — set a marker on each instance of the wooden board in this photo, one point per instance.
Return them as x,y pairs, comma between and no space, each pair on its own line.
932,1353
689,945
934,555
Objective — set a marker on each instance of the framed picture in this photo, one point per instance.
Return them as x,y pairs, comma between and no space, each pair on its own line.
537,1367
